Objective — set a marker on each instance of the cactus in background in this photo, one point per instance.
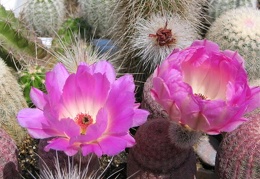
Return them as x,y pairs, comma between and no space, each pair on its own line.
31,76
8,157
238,30
238,154
16,41
11,101
156,37
44,16
161,152
96,13
217,7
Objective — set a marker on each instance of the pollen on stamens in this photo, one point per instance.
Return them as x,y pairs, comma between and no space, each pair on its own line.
201,96
83,120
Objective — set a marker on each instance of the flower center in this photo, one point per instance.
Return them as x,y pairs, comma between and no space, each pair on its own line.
83,120
164,36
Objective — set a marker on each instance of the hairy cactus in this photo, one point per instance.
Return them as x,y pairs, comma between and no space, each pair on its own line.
157,155
11,101
16,41
44,16
238,154
8,157
238,30
217,7
31,76
156,37
96,13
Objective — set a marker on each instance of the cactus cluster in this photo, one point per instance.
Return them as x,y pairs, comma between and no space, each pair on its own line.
238,154
238,30
44,16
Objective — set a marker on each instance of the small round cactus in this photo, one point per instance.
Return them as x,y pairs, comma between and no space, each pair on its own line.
8,157
157,156
238,154
11,101
44,16
239,30
31,76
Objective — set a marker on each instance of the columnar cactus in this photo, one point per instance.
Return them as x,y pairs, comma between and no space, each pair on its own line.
44,16
217,7
157,154
239,30
238,154
8,157
11,101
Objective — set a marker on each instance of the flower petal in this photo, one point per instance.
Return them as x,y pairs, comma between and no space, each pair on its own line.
38,98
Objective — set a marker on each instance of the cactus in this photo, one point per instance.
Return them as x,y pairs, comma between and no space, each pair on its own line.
8,157
157,155
96,13
16,41
44,16
31,76
11,101
238,30
217,7
156,37
238,154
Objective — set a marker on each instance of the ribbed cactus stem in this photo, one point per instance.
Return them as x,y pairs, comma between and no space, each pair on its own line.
15,40
11,101
156,156
238,154
44,16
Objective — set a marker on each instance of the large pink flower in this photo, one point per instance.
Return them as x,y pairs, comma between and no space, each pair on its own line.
205,88
90,110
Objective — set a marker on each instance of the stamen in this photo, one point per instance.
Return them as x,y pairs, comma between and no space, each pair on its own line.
83,120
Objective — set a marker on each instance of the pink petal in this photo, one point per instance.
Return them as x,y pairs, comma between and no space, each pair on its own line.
61,144
118,144
38,98
36,124
140,117
104,67
91,148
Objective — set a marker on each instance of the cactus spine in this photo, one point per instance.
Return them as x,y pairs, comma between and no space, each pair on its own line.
238,154
238,30
44,16
11,101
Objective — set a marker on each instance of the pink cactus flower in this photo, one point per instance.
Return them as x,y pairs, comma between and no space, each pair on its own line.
204,88
90,111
